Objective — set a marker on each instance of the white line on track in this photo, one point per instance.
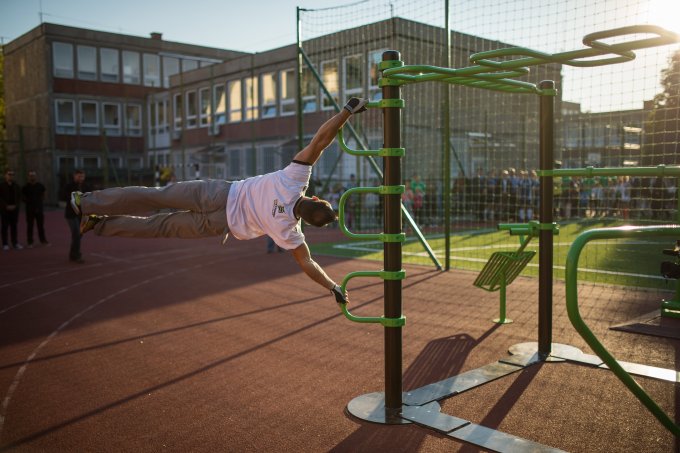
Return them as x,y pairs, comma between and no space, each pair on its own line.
98,277
90,266
19,374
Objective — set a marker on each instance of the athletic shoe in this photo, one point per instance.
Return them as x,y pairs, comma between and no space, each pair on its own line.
5,248
18,246
75,201
89,224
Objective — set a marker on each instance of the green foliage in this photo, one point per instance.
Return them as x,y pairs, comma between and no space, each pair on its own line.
670,80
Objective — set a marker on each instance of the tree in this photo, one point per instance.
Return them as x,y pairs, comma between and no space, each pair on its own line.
662,128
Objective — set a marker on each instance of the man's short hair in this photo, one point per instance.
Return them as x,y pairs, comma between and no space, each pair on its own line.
78,171
316,212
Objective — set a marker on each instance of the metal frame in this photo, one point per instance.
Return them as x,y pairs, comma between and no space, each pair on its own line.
420,406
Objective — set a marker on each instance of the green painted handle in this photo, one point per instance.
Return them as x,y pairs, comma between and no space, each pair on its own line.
585,332
385,275
382,190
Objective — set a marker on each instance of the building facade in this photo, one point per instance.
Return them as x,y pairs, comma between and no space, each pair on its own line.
77,98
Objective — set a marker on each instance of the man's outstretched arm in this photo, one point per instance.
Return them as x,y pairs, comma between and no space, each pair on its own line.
328,130
315,272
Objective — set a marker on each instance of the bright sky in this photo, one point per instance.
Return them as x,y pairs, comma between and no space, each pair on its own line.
259,25
250,26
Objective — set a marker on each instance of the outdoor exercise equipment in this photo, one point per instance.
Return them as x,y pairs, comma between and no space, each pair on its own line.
670,269
575,317
420,405
503,267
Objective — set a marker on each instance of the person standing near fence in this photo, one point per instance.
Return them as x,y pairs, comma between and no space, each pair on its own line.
78,184
10,197
34,196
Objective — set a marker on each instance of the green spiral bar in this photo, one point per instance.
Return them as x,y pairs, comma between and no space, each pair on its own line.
571,273
489,73
382,190
385,275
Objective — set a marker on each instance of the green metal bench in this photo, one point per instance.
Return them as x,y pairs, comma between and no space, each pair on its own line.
504,267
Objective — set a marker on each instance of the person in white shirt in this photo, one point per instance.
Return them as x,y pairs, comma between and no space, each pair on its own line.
272,204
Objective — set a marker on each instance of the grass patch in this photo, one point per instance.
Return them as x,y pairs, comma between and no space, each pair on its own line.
627,262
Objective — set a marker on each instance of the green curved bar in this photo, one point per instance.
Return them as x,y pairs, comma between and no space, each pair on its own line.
355,152
385,275
382,190
672,231
494,75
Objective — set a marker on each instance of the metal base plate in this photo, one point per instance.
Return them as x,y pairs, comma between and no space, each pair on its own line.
371,407
503,321
557,350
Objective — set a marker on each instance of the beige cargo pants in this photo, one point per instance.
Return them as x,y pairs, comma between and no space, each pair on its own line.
198,210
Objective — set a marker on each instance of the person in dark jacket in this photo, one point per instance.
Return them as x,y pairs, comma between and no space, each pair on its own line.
34,196
72,218
10,197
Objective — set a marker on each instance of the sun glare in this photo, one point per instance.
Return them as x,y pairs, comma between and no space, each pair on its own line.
666,14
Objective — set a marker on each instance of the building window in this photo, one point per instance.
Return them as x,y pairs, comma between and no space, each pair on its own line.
309,91
108,65
62,60
162,111
131,67
114,162
67,165
152,70
87,63
90,163
133,120
152,117
177,108
269,158
65,115
374,59
204,107
191,113
288,89
189,65
134,163
353,76
235,163
112,121
329,77
268,95
251,162
235,101
170,68
89,118
220,103
251,97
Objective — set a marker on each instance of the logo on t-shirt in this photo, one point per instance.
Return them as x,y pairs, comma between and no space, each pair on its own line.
278,208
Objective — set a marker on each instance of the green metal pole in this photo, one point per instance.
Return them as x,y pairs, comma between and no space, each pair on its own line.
446,135
545,251
571,275
392,250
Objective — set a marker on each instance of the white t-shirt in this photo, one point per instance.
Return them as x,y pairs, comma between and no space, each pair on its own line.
264,205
